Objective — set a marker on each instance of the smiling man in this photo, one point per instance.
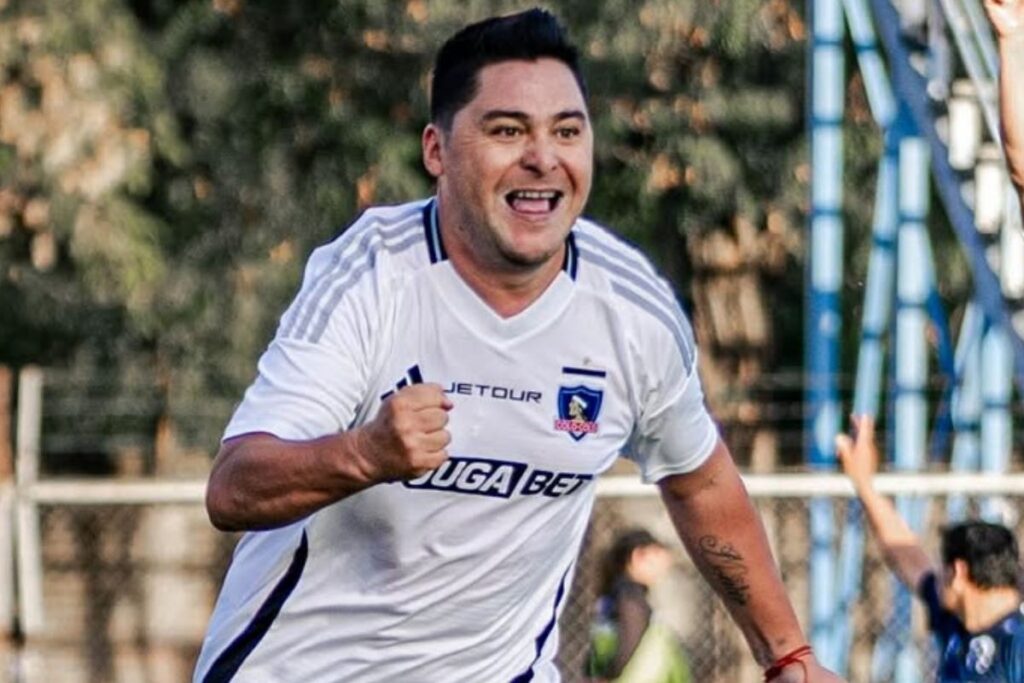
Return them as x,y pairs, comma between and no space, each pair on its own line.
407,517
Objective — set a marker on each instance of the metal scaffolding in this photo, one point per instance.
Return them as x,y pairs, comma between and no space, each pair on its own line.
930,82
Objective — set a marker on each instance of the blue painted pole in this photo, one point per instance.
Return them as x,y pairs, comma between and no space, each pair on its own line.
875,320
914,283
877,307
876,81
966,407
912,88
827,83
978,28
996,423
943,428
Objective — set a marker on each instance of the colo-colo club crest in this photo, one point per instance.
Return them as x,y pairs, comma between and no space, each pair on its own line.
578,408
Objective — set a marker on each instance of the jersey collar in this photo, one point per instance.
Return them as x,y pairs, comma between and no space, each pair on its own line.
437,253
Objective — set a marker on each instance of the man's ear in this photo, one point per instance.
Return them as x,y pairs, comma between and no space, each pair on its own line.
961,572
432,141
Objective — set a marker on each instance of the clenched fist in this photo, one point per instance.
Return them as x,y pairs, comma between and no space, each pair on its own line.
408,437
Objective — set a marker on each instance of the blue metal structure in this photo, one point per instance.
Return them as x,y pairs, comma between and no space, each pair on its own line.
827,84
914,284
988,355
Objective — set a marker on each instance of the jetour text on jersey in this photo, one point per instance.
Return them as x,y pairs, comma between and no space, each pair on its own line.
489,391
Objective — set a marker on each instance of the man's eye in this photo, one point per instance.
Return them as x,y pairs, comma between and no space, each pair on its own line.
507,131
568,132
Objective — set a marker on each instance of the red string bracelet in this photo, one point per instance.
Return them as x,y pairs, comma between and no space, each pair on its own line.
794,657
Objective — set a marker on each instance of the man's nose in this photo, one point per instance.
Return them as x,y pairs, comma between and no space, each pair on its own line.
540,153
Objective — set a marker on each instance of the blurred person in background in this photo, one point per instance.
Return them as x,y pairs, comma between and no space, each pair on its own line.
972,598
628,644
414,465
1007,17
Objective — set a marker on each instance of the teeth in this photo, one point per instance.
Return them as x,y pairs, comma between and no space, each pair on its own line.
535,194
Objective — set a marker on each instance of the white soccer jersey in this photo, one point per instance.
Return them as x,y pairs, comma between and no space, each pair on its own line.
459,575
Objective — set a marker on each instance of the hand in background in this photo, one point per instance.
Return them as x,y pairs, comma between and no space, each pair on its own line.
858,454
1007,17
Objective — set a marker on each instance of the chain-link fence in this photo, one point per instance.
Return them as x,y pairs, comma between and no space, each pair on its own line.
127,590
715,647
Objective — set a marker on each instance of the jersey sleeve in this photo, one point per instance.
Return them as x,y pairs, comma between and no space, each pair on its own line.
674,432
314,375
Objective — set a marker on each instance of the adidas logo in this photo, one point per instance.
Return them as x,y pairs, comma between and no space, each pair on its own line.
412,376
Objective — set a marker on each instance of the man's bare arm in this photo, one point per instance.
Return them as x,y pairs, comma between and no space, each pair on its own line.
723,533
1007,17
259,481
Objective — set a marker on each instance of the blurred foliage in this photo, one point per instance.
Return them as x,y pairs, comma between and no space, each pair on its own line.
167,165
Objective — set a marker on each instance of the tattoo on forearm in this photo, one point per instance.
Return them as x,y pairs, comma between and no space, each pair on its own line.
727,566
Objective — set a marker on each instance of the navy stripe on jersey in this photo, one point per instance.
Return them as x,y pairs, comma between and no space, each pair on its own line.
572,257
527,675
646,291
584,371
349,247
230,660
437,253
432,228
345,274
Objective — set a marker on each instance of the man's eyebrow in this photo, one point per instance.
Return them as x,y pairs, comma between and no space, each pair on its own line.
504,114
571,114
525,118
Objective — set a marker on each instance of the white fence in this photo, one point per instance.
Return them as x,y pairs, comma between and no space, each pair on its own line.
119,579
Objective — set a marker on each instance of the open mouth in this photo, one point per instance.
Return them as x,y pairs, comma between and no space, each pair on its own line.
533,201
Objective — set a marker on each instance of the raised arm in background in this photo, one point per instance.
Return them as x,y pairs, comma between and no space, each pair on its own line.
900,546
1007,17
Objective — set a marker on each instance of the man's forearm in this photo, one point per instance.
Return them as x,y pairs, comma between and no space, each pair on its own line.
900,546
1011,99
723,533
259,481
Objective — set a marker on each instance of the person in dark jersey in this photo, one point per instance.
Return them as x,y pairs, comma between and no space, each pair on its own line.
973,599
628,644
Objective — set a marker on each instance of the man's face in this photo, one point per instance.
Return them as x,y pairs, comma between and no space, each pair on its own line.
514,171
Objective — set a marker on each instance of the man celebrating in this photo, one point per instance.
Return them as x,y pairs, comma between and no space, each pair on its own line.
973,601
414,465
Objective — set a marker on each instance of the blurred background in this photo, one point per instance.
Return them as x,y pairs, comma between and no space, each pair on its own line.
167,166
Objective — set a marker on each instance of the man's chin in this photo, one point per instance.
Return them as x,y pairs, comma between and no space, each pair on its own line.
528,259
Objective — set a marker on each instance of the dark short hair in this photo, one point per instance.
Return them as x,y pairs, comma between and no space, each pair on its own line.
528,35
617,558
990,551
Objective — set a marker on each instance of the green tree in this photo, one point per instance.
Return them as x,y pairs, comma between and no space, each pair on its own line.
236,136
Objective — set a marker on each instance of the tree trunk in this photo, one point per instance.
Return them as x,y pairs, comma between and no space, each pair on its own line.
733,329
6,440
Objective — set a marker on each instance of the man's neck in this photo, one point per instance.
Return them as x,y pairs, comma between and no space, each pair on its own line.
985,608
506,291
507,294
